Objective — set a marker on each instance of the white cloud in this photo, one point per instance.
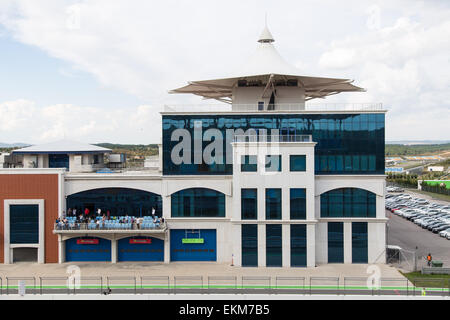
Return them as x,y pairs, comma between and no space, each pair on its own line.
404,65
397,50
22,121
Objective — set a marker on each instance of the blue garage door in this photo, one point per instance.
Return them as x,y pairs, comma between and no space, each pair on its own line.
141,249
88,249
193,245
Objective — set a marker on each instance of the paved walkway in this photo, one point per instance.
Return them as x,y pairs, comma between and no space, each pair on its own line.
205,269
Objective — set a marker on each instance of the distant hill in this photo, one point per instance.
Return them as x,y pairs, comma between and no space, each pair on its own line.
13,145
132,150
418,142
415,149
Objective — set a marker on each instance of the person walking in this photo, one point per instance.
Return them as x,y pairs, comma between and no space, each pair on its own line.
429,259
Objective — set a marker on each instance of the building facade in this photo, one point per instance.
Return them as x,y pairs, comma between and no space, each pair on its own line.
267,180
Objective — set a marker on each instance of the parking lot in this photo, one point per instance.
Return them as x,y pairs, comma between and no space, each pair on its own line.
419,224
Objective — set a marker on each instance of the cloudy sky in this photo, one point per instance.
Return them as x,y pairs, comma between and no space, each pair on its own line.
100,70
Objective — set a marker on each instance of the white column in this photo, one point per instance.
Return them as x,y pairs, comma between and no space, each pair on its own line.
261,204
113,251
285,204
310,245
286,244
167,247
380,207
237,244
321,243
261,245
61,249
166,207
347,242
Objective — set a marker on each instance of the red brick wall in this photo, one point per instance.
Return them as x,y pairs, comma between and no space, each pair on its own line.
32,186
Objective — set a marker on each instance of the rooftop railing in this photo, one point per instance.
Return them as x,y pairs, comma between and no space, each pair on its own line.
293,107
273,138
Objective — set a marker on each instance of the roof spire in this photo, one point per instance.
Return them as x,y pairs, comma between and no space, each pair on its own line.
266,36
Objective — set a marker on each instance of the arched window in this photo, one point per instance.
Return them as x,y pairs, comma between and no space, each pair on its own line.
347,203
198,202
118,201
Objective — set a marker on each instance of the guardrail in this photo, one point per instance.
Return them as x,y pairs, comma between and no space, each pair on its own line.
344,106
229,284
272,138
103,226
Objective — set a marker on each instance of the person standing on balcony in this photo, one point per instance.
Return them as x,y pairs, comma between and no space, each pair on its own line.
86,212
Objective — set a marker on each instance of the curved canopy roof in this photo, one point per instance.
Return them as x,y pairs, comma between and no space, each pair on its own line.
63,147
266,63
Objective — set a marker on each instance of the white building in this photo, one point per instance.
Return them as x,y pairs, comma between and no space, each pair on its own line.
267,180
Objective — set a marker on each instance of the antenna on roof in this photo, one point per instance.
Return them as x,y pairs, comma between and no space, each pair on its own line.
266,36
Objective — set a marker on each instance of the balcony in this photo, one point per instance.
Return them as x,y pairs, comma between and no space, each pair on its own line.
110,226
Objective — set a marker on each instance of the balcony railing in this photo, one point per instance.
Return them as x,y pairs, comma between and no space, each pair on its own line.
75,226
293,107
273,138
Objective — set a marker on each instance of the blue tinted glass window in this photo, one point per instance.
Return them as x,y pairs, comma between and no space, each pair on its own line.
298,245
273,163
198,202
249,163
249,204
24,224
297,162
359,242
337,135
298,203
273,245
249,245
273,204
335,242
348,202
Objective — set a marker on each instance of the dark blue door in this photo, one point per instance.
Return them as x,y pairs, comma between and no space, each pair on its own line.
85,249
141,249
193,245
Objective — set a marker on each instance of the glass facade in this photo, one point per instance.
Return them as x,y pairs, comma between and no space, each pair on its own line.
348,202
249,245
198,202
273,163
58,161
346,143
335,242
298,245
359,242
118,201
249,163
298,203
273,245
24,224
249,204
297,162
273,204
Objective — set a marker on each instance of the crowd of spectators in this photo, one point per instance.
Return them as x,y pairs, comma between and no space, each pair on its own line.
105,220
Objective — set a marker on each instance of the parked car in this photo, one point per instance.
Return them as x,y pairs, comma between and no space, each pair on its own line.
444,233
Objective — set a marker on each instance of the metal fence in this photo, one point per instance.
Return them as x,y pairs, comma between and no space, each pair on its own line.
434,286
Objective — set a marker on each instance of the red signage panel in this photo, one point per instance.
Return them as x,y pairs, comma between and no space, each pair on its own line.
140,241
87,241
